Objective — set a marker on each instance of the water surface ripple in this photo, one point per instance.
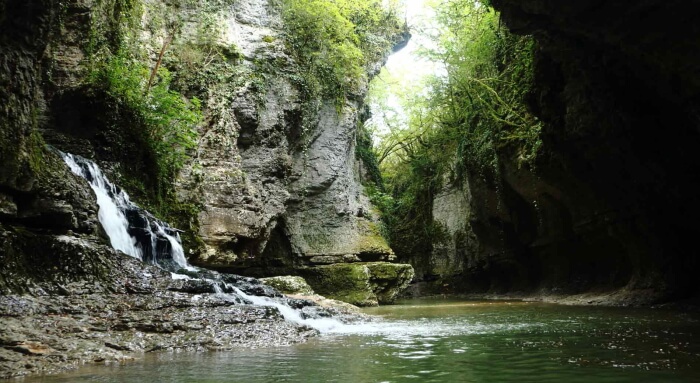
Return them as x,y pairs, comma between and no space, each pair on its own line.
452,341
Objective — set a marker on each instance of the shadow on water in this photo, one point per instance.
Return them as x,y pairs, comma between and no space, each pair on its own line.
452,341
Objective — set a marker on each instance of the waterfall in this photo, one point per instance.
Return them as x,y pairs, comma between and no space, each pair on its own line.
321,324
135,232
131,229
112,203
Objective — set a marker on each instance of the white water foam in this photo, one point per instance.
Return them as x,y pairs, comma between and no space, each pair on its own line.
112,203
424,328
177,252
323,325
176,276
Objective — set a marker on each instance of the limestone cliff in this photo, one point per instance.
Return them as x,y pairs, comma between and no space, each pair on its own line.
275,172
454,248
279,186
271,185
40,199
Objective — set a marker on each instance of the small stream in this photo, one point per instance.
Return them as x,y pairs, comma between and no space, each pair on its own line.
452,341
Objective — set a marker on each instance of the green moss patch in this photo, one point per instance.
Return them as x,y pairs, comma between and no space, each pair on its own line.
288,284
360,284
347,282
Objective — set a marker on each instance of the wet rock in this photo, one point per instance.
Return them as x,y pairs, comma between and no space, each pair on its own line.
60,332
289,284
193,286
389,280
30,348
298,303
17,306
251,286
53,263
332,306
7,206
344,282
360,284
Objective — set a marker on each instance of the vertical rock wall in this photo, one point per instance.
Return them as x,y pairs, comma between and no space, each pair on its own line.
330,220
276,166
48,216
610,202
451,210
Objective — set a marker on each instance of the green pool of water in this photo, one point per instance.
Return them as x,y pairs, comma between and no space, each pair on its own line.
452,341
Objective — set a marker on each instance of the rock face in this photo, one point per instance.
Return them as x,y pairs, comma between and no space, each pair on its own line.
44,208
610,202
451,209
289,284
454,251
281,188
329,222
286,192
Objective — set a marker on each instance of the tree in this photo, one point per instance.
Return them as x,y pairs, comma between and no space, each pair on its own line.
459,122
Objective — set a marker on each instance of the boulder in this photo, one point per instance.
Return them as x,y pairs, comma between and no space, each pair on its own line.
388,280
289,284
360,284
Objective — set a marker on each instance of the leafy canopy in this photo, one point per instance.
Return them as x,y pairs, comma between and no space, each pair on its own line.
168,120
335,40
459,121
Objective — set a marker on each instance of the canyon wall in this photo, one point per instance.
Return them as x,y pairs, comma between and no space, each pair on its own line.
610,201
272,184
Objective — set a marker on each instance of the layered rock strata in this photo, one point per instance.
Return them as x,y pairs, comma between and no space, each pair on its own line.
286,191
284,194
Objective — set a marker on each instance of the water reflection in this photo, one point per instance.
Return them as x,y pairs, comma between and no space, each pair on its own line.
451,341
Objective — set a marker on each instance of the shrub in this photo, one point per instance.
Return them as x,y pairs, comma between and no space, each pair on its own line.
168,119
334,40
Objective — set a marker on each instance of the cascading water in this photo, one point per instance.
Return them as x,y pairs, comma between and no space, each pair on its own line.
321,324
137,233
130,229
112,203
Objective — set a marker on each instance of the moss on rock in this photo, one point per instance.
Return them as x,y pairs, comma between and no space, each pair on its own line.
360,284
40,264
289,284
371,241
388,280
347,282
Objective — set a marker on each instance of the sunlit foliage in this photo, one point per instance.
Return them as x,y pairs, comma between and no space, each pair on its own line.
335,41
464,118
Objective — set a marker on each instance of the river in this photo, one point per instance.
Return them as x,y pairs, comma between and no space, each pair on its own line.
442,340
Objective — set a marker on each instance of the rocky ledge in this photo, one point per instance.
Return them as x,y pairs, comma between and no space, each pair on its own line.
142,309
